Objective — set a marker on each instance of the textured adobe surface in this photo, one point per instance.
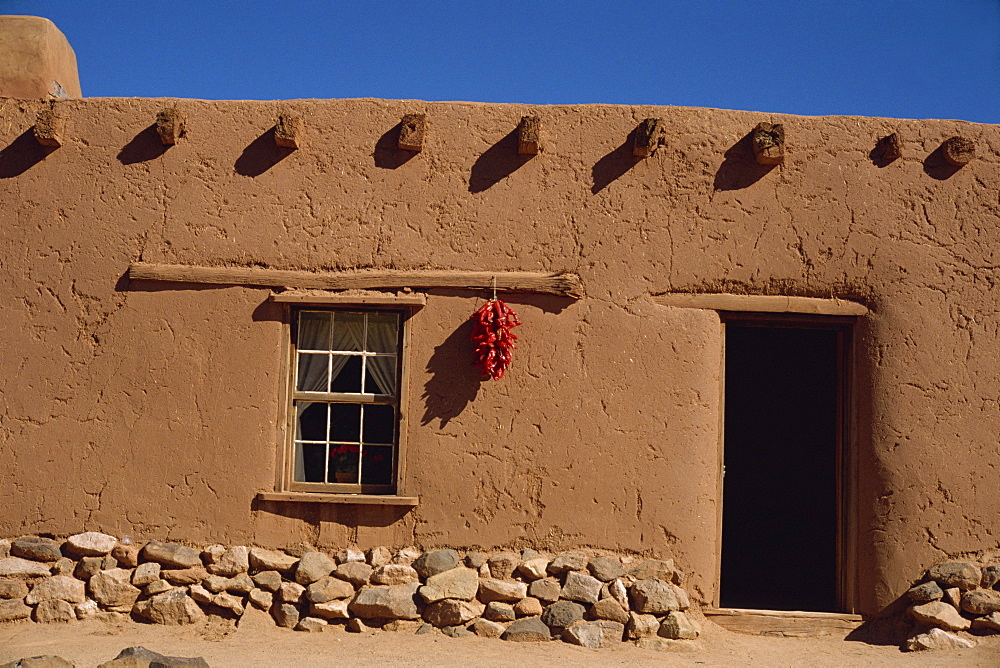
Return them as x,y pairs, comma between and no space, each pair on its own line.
151,409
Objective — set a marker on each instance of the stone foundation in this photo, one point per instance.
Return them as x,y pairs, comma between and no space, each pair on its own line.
954,598
579,596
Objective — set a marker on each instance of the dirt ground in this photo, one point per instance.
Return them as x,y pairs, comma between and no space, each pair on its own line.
92,642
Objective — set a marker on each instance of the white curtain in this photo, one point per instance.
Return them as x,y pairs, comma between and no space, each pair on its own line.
300,470
300,465
314,334
316,370
348,334
383,334
313,372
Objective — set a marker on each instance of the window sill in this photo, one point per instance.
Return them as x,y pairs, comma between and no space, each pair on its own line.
352,499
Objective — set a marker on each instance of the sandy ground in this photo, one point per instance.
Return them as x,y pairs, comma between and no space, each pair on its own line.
90,643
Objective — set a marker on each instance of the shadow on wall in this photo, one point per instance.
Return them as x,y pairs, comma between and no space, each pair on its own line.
497,163
126,284
454,381
261,155
387,153
890,626
936,167
266,311
349,515
614,164
144,146
22,154
740,169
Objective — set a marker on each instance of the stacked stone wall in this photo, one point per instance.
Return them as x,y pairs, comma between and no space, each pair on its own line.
581,597
954,600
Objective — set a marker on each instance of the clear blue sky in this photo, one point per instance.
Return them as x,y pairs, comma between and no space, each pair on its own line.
899,58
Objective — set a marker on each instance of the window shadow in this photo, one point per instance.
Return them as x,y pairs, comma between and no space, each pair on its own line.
144,146
387,153
546,303
740,169
126,284
454,381
936,167
268,311
346,514
22,154
261,155
614,164
497,163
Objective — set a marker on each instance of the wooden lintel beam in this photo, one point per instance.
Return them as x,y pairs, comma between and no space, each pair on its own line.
565,284
761,303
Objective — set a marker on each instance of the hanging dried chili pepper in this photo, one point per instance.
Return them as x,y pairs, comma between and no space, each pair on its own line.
494,340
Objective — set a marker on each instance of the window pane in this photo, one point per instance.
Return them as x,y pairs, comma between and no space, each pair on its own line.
313,372
313,462
380,420
312,421
314,330
340,438
376,469
345,422
381,375
383,331
346,373
344,460
348,331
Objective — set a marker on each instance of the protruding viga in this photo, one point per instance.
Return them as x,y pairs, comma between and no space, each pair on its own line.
890,147
648,137
769,143
529,136
958,151
170,126
412,130
50,126
288,131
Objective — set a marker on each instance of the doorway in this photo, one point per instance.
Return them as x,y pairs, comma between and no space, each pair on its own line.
785,417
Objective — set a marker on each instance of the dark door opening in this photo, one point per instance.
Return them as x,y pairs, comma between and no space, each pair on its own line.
784,398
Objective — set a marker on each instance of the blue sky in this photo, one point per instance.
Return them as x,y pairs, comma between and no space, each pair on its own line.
897,58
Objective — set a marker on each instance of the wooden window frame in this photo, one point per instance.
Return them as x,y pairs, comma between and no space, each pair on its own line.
287,489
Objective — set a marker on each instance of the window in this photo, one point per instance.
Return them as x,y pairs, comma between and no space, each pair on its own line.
345,399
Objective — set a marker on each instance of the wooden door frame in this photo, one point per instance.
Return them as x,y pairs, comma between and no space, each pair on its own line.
846,446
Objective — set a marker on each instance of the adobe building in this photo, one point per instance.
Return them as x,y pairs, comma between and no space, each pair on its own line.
762,345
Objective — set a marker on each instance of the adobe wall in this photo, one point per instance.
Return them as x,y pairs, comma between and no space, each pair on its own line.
151,409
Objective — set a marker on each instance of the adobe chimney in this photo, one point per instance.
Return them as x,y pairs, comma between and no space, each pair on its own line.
36,60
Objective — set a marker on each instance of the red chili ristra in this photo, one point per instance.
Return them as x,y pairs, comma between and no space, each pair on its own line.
494,340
